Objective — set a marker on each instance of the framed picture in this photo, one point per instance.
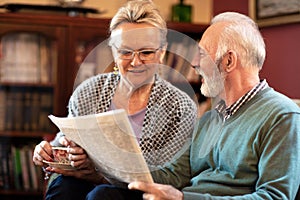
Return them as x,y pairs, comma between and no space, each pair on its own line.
274,12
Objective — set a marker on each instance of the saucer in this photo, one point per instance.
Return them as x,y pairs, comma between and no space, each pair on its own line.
59,165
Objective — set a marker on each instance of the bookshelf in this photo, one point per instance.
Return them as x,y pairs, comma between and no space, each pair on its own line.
40,56
182,44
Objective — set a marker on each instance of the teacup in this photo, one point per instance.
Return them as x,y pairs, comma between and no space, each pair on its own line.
61,155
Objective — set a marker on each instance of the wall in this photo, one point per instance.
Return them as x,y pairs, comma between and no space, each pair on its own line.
282,65
201,8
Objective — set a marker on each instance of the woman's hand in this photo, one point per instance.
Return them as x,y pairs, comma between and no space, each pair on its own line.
154,191
42,151
84,167
86,171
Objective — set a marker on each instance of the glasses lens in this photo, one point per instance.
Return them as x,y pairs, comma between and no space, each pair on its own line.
147,54
125,54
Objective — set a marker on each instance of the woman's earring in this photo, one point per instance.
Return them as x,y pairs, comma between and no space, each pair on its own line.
116,69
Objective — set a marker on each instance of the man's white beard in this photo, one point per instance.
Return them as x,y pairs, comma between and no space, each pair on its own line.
214,85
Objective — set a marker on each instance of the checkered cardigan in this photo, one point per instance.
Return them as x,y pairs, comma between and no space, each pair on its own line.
169,119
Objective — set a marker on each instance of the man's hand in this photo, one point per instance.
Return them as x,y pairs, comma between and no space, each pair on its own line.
154,191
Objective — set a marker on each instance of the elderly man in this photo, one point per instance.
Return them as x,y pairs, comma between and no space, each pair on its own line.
248,146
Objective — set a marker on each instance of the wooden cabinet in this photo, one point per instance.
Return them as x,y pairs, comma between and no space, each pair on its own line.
40,80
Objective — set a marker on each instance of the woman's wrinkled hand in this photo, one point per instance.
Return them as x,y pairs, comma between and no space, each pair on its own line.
42,151
84,168
86,171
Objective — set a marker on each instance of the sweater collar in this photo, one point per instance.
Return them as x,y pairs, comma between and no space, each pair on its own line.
227,112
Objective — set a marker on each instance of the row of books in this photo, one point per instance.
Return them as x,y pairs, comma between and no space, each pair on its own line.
180,52
17,171
26,58
25,110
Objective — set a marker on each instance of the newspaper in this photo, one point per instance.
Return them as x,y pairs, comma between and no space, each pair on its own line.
109,141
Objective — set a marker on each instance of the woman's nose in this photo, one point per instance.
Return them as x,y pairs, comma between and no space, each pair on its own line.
136,61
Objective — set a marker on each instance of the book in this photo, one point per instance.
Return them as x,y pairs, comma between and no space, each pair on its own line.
20,61
27,110
32,170
10,164
2,109
46,104
8,63
17,169
24,168
2,165
9,112
110,142
35,111
44,58
18,110
27,58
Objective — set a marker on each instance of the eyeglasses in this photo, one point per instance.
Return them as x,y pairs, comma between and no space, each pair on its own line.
145,54
197,68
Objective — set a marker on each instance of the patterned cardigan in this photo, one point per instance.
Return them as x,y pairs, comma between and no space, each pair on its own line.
169,119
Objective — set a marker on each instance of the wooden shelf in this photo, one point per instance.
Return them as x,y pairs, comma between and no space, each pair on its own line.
17,194
20,192
66,34
25,84
185,27
25,134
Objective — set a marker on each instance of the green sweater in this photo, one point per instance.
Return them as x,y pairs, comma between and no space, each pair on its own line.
255,154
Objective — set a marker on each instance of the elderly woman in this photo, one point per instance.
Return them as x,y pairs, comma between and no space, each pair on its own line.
162,116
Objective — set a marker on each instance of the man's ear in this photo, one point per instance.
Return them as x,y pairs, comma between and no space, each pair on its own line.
230,61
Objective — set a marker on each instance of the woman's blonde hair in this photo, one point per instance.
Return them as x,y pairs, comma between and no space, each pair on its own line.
140,11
